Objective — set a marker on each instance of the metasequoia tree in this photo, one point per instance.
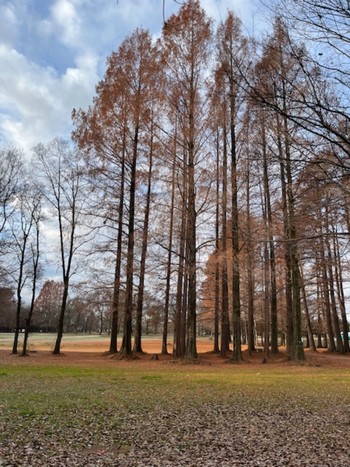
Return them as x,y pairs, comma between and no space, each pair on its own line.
60,174
113,347
277,75
145,231
181,299
116,127
102,133
220,114
266,156
232,54
217,248
47,306
254,133
137,75
186,39
249,240
173,147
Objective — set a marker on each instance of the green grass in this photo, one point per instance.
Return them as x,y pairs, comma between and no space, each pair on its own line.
47,387
75,406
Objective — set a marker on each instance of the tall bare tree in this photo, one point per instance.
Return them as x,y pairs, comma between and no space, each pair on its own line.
233,50
186,40
21,229
61,178
35,265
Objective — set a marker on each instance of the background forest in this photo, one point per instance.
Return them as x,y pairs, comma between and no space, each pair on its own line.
205,190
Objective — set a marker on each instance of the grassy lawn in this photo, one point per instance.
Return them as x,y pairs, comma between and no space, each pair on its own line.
6,338
173,415
89,342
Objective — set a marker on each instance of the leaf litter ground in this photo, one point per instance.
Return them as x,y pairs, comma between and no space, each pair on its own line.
84,409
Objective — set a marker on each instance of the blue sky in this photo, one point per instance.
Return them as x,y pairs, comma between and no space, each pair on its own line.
53,53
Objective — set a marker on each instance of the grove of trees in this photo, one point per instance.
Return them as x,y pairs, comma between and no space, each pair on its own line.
206,189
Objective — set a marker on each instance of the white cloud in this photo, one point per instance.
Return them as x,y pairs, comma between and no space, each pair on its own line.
36,100
9,24
36,103
67,21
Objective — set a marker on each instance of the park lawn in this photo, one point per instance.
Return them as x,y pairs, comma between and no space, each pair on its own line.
171,414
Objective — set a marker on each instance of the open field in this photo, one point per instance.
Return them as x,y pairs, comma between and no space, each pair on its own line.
86,409
91,343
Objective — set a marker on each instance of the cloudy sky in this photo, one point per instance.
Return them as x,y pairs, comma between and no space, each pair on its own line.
53,53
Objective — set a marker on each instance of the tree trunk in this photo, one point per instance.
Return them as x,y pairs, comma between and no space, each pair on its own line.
20,284
178,349
138,326
113,347
57,347
335,318
340,291
191,346
236,297
225,325
217,248
127,331
170,247
310,334
327,305
250,272
36,255
273,286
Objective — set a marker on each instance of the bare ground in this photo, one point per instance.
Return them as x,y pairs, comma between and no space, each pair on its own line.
93,352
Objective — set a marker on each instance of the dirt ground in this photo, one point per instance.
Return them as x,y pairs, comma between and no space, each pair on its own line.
93,353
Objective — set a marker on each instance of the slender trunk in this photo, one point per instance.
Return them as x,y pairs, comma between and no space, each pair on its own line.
19,304
335,318
66,266
170,247
217,246
139,309
36,255
178,349
287,253
113,346
20,284
225,325
327,305
250,273
57,348
340,291
184,312
310,333
17,324
265,197
127,331
273,286
191,346
298,349
236,298
266,303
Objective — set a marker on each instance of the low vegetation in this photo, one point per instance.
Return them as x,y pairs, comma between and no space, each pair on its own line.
143,413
